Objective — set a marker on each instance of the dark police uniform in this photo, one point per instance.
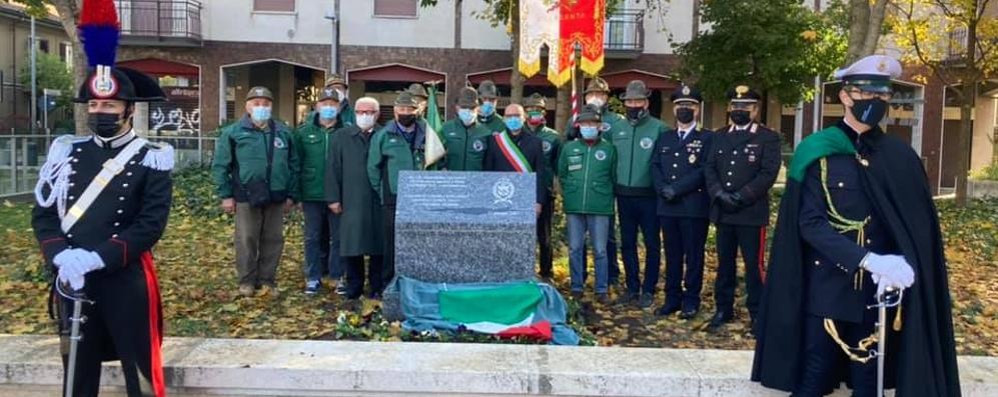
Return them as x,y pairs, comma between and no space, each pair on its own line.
121,225
682,210
743,161
837,288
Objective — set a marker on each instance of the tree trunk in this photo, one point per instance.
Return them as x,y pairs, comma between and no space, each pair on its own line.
963,157
859,24
69,12
515,78
865,25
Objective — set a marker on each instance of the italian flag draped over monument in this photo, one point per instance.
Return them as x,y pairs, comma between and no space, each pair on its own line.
517,309
560,26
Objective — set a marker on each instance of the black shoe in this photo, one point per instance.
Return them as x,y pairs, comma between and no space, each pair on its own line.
577,295
646,300
667,309
603,299
719,319
688,314
627,298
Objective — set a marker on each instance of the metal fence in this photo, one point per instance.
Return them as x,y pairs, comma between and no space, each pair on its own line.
21,156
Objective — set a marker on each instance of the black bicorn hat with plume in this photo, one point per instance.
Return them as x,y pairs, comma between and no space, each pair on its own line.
99,31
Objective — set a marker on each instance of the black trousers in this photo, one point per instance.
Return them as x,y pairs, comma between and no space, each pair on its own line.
125,324
544,237
750,240
824,361
388,269
684,251
355,275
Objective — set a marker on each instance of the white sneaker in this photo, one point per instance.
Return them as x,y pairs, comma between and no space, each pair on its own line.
312,287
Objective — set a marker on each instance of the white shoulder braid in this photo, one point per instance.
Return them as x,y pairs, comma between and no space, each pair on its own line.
159,156
56,171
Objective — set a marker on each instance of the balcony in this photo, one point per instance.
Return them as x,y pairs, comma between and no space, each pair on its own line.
624,35
160,22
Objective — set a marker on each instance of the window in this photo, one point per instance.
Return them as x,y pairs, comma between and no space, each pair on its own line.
66,53
395,8
43,46
274,5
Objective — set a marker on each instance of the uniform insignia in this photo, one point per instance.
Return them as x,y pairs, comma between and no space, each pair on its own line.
741,90
576,150
393,140
604,126
600,155
546,146
693,158
478,146
104,85
751,158
279,143
882,66
647,143
686,90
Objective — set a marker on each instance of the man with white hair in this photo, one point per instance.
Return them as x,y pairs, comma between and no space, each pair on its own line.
352,198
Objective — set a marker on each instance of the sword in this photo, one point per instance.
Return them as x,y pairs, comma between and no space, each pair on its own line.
884,301
78,298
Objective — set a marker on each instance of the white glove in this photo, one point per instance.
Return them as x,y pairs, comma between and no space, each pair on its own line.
77,265
70,255
889,271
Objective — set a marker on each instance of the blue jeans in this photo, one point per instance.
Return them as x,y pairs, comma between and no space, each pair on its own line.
322,241
597,226
640,212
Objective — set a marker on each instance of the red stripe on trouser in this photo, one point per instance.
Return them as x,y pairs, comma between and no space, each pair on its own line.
762,254
155,331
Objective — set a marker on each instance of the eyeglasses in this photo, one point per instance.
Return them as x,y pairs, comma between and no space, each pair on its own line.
856,93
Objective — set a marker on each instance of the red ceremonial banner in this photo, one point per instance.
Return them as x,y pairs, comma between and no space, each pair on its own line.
581,22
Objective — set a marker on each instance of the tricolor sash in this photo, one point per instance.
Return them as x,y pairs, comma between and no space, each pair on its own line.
512,152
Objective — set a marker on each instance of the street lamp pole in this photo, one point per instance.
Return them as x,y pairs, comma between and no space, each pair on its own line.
332,15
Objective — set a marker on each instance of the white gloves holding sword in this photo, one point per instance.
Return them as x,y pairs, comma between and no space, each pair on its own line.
74,263
888,271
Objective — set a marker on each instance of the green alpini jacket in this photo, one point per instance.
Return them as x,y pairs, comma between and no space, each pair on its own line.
249,144
587,173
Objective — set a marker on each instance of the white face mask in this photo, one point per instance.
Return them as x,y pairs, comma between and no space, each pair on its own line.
596,101
365,121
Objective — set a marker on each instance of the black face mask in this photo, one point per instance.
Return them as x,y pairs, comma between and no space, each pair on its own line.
684,115
407,120
869,111
740,117
105,125
635,114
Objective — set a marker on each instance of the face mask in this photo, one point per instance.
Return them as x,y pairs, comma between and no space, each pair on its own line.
635,113
869,111
535,118
365,121
260,114
407,120
589,132
514,123
105,125
328,112
740,117
684,115
595,101
488,108
467,116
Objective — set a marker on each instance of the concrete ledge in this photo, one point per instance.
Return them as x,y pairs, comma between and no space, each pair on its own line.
29,366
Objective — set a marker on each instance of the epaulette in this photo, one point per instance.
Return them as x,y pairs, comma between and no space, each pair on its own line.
159,156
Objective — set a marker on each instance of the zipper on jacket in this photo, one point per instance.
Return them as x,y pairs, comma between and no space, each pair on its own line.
634,141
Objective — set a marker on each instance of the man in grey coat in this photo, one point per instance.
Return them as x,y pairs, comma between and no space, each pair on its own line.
351,196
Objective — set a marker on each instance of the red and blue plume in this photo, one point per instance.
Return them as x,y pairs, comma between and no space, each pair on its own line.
99,29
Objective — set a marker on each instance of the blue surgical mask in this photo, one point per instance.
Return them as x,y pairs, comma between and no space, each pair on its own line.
589,132
488,108
260,114
467,116
514,123
328,112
